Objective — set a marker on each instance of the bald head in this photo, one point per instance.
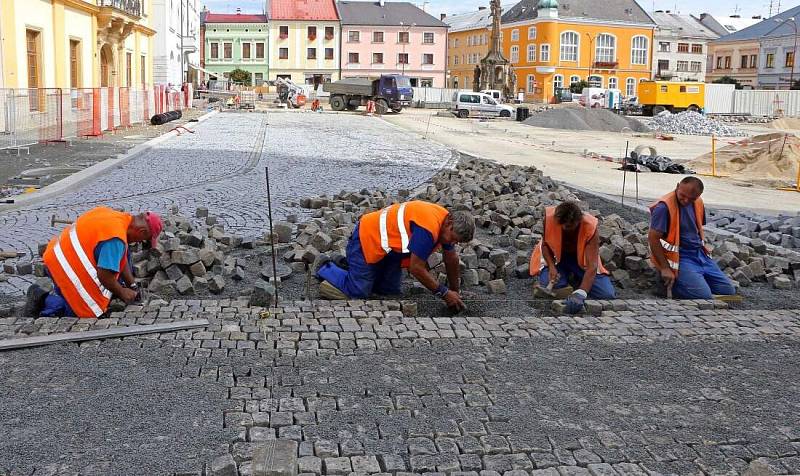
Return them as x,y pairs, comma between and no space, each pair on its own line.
689,190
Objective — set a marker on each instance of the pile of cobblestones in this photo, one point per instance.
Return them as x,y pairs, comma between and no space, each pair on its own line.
783,230
692,123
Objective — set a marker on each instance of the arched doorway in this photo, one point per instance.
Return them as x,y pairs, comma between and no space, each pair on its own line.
106,65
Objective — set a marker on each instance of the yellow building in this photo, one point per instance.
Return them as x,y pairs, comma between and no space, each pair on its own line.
608,44
468,43
76,43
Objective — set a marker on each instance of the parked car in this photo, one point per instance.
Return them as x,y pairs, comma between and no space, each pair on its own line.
495,94
466,103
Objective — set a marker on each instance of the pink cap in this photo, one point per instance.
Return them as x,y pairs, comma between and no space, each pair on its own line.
156,225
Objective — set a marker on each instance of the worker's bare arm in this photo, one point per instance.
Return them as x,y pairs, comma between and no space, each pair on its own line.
592,256
419,269
451,265
109,280
657,252
127,276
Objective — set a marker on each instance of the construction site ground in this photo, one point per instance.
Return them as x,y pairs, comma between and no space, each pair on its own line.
642,386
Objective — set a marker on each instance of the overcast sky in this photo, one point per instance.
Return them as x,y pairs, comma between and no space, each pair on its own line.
435,7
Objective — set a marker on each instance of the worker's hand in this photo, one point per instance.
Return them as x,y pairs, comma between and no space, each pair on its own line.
128,295
453,301
552,273
574,303
668,276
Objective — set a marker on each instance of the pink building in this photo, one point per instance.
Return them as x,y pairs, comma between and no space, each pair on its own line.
393,37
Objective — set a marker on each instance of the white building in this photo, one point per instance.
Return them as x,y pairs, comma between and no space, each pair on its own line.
177,40
680,47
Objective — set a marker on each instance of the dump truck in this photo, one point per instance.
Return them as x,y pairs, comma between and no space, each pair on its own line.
673,96
389,91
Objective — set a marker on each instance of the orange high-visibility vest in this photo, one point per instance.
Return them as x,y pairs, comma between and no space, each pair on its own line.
552,230
671,243
389,229
70,259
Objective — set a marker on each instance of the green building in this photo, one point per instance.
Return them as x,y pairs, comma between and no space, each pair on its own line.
236,40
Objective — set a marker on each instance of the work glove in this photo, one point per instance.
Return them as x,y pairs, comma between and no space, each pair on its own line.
574,303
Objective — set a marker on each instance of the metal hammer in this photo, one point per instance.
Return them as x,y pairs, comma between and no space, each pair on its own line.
54,220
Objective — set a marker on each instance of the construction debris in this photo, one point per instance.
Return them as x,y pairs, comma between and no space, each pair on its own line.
585,119
692,123
652,162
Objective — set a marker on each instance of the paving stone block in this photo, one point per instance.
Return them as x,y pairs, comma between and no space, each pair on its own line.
497,286
337,465
275,458
224,465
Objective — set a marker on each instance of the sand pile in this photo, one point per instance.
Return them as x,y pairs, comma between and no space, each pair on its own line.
583,119
771,158
786,123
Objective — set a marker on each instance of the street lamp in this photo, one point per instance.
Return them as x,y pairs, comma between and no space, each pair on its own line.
794,51
406,28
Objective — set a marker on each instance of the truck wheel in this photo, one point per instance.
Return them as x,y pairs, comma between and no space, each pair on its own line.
381,106
397,110
337,103
658,110
693,108
463,113
505,114
351,107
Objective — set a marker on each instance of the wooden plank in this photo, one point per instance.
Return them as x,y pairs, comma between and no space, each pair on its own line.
35,341
728,298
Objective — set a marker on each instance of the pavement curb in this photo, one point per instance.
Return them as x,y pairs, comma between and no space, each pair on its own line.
80,178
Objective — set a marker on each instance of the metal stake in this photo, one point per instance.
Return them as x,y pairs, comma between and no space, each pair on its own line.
429,126
272,238
624,170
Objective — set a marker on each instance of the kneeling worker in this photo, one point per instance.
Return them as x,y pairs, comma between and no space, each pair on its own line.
87,261
571,247
402,235
677,244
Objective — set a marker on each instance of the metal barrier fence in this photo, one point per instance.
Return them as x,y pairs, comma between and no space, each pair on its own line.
31,116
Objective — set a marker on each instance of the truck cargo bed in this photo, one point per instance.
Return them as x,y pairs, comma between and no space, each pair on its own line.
350,86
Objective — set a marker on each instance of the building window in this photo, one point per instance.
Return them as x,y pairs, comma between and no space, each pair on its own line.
531,53
227,50
683,66
569,46
283,53
328,53
639,50
455,44
426,82
683,47
427,58
789,59
612,83
352,58
311,53
455,60
558,83
532,33
605,49
696,67
402,58
427,38
719,62
515,54
75,64
353,36
663,65
245,50
753,61
377,37
403,37
260,50
630,87
574,80
128,69
743,64
214,50
32,38
142,69
544,53
515,35
663,46
727,62
377,58
595,81
531,83
258,79
329,32
312,33
697,48
283,32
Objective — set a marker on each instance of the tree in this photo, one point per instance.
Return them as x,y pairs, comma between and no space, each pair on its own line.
578,87
239,75
728,80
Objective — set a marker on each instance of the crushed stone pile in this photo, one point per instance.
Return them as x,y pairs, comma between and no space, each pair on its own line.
771,159
693,124
584,119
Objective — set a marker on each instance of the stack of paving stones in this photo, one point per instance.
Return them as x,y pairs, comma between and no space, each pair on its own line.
781,230
279,364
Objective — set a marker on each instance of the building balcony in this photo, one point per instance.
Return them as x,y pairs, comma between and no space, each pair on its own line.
605,64
132,8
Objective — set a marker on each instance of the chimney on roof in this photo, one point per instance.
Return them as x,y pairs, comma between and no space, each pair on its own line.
481,8
238,10
736,16
442,16
756,17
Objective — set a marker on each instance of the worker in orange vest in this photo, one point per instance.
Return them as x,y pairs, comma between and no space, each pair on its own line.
570,248
402,235
88,262
678,248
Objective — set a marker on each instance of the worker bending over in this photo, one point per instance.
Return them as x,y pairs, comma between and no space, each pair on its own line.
87,261
570,251
402,235
677,244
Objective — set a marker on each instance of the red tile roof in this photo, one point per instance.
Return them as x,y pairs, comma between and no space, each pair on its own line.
234,18
303,10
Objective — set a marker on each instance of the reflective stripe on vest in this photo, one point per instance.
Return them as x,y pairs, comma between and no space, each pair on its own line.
669,247
401,227
73,278
87,265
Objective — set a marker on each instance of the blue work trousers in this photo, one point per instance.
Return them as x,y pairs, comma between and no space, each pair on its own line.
361,279
568,268
699,277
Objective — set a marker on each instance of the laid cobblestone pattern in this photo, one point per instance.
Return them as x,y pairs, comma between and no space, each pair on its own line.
653,387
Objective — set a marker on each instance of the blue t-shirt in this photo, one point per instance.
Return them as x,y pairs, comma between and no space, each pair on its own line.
421,242
108,254
690,238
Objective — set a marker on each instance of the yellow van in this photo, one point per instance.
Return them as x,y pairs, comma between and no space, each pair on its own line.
673,96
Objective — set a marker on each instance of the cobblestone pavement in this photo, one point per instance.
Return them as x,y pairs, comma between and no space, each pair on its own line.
643,387
221,167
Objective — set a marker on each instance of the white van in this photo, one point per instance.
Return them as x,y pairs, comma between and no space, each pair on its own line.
467,103
496,94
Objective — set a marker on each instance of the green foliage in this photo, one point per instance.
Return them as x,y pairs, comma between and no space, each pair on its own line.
578,87
239,75
728,80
